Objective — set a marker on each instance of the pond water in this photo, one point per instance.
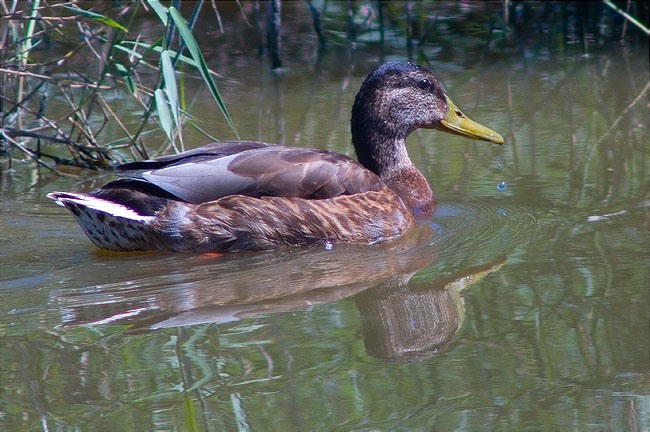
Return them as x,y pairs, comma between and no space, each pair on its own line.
521,304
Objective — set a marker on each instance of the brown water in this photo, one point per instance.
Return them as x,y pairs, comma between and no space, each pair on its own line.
522,304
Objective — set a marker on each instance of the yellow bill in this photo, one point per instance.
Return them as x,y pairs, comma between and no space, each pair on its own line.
455,122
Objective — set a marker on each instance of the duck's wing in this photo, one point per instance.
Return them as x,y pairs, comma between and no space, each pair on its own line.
253,169
208,151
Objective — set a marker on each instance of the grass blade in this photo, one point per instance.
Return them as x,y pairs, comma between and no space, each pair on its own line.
170,85
163,113
195,52
160,10
171,90
97,17
126,76
155,48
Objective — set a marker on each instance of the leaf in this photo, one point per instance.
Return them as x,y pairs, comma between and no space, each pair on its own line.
131,52
163,113
126,76
97,17
122,47
193,47
170,85
160,10
201,131
171,90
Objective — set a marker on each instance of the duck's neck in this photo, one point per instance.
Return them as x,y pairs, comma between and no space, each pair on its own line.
414,190
387,157
380,154
379,144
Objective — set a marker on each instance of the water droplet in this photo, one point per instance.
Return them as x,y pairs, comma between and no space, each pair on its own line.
499,163
329,245
501,186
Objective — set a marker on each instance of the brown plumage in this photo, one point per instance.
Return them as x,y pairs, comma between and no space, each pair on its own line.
245,195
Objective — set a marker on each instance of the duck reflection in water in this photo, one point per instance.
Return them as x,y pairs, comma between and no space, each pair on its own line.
402,320
405,321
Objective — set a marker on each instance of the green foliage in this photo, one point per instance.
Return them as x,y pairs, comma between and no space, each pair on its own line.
123,65
193,47
97,17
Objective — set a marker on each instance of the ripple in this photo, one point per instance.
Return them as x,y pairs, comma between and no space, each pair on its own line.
105,287
483,230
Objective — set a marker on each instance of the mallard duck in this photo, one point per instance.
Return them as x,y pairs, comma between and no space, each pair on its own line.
245,195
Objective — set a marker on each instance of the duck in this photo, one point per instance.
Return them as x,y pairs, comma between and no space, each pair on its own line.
236,196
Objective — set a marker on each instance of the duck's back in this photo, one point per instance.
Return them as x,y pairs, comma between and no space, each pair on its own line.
253,169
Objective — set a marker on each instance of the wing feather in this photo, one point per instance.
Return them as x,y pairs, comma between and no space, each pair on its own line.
254,169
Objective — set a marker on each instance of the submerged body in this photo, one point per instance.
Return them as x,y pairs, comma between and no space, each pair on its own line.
235,196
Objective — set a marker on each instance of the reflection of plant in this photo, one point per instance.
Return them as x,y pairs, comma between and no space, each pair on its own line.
29,76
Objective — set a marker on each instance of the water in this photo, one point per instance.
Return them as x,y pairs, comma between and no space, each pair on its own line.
521,304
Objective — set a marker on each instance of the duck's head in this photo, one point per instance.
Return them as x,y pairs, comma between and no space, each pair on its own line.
395,99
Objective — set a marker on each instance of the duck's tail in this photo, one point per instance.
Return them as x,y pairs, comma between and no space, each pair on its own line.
108,224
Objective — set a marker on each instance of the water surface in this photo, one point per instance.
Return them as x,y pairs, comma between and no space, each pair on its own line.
521,304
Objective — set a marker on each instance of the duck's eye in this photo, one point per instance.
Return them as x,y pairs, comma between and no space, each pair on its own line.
424,84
